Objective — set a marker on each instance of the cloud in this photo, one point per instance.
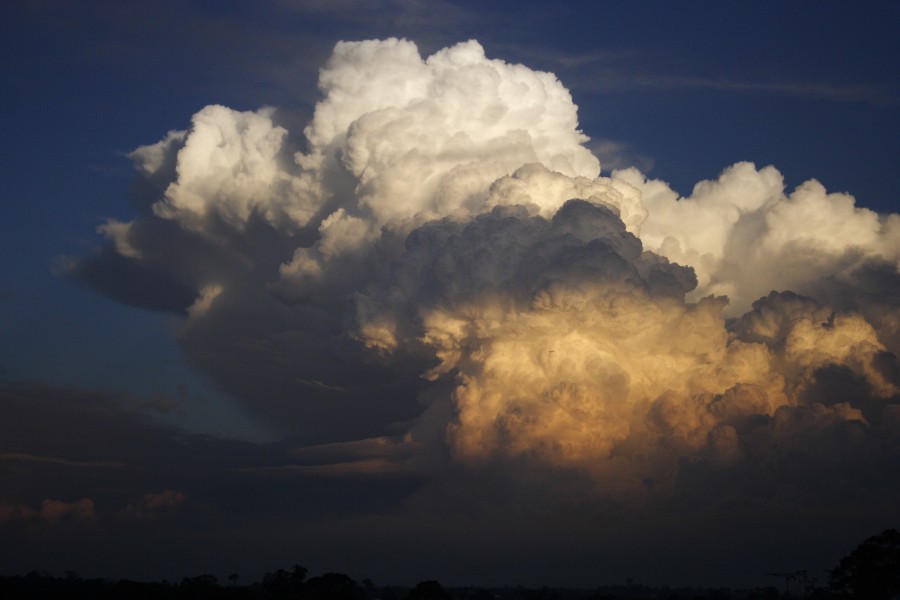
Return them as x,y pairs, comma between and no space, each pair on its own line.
154,503
157,498
436,269
187,503
9,512
261,241
744,236
228,167
54,511
20,457
571,347
616,155
863,93
644,70
69,443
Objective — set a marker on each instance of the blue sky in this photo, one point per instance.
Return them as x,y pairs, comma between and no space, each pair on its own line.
679,90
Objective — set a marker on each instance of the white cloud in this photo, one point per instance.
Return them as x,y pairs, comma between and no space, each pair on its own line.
744,236
427,229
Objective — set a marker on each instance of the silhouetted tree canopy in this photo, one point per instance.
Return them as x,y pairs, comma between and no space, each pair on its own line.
333,586
428,590
285,584
872,571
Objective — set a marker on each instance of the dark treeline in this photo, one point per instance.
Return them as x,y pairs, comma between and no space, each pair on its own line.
870,572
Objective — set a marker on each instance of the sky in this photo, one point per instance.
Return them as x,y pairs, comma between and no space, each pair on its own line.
490,293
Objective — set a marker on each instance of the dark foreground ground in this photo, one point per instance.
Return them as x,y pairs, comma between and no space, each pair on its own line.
870,572
341,587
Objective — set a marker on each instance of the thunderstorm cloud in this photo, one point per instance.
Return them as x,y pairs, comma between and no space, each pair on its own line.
433,278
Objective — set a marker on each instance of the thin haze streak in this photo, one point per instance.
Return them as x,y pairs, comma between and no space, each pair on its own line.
868,94
20,457
621,70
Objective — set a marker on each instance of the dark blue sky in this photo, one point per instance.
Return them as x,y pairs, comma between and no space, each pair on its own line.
679,90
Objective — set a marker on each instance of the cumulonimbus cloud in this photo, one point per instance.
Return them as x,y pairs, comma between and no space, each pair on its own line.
442,217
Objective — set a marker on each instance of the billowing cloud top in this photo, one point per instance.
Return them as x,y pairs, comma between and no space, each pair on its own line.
439,250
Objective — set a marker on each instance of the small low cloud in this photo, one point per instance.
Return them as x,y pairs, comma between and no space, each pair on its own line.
615,156
55,511
153,504
51,511
21,512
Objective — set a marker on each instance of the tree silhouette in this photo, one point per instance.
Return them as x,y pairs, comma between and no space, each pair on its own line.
285,584
201,586
428,590
872,571
333,586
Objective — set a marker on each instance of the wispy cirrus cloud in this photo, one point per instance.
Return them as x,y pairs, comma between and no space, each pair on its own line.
644,69
836,92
